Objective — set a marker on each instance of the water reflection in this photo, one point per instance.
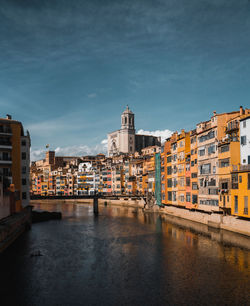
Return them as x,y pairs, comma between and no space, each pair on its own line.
123,257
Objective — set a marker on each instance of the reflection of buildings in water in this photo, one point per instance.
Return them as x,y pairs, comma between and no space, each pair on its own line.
236,257
215,244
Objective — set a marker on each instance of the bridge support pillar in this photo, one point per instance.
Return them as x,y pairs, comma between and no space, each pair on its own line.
95,204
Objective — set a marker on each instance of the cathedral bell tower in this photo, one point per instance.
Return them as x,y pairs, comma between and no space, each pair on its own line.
127,120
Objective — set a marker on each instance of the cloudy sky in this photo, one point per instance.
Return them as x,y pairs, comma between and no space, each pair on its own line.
68,68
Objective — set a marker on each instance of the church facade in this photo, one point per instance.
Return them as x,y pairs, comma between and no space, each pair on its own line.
125,140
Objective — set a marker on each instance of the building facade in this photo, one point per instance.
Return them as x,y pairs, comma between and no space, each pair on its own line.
14,166
125,140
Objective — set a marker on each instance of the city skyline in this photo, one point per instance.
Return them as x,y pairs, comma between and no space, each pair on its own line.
69,69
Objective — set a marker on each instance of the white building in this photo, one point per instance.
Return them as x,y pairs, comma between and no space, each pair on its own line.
125,140
25,170
245,140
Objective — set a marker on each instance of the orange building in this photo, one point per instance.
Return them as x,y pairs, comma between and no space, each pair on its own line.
14,166
193,169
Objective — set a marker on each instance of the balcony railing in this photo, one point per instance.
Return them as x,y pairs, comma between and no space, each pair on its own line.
5,158
5,143
232,126
5,130
236,168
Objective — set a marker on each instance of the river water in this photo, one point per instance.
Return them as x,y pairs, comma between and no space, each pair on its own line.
122,257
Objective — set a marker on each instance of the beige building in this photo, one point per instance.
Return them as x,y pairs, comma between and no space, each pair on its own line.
209,134
125,140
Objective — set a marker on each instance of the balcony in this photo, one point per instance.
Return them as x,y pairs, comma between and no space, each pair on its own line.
5,161
238,168
232,126
5,144
5,130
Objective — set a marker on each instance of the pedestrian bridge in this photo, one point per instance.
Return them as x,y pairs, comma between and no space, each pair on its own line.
148,200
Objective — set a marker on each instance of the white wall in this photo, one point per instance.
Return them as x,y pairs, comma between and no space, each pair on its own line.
25,164
245,149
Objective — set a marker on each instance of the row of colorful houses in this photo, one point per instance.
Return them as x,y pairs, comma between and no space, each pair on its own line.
206,169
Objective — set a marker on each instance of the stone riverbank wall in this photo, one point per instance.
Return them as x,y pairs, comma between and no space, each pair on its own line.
13,226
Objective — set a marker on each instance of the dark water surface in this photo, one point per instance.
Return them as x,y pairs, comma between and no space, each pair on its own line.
121,258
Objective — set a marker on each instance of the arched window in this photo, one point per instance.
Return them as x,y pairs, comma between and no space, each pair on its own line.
125,120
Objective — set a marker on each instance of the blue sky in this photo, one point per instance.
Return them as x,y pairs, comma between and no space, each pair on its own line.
69,68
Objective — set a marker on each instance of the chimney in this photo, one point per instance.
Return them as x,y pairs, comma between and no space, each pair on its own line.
8,117
242,112
214,113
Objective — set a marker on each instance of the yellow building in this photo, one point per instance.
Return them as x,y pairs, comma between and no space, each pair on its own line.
194,169
14,166
240,192
228,159
228,154
183,149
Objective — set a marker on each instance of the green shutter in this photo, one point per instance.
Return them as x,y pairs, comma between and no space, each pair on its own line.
158,178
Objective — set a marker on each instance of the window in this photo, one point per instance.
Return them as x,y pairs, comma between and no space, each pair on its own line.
202,152
240,179
194,199
169,183
23,170
174,195
193,140
23,155
211,149
194,186
188,182
213,191
169,159
212,182
201,182
169,170
244,123
224,148
224,162
205,169
188,197
23,142
236,204
208,136
235,181
24,196
174,182
245,205
23,182
169,195
181,198
224,185
243,140
194,174
181,182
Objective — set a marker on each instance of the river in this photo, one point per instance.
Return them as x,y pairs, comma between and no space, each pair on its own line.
121,257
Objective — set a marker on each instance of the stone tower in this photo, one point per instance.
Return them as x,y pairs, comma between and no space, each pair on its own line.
127,132
127,120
